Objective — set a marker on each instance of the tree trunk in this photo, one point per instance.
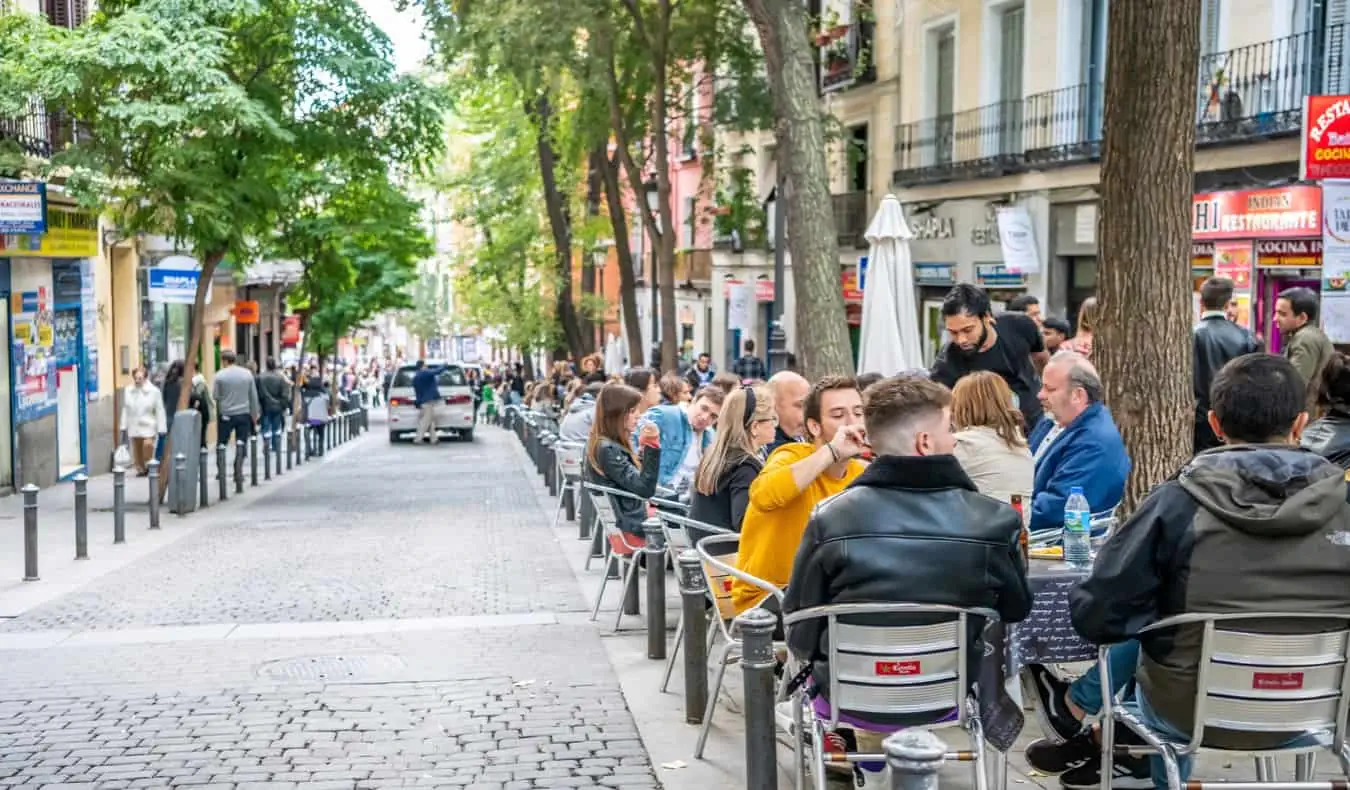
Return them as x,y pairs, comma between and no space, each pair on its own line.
560,222
618,221
593,330
195,335
665,245
1147,163
821,335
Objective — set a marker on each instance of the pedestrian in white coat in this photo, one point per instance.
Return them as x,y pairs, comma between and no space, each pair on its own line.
143,419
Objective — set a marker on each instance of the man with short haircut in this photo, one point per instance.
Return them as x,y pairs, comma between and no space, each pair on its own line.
1028,305
1054,331
702,373
1076,445
274,394
1215,341
1305,345
685,435
237,406
1009,345
749,367
1258,525
427,397
789,396
911,529
797,477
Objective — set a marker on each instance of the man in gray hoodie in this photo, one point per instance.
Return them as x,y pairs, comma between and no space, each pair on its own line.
236,396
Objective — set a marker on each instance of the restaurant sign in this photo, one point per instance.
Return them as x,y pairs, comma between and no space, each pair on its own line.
1289,212
1324,151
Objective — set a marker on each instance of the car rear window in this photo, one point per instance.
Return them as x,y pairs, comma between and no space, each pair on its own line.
452,376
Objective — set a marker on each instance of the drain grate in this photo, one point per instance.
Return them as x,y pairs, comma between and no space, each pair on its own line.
333,668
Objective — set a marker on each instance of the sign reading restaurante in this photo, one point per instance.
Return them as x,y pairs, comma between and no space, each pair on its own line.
1325,149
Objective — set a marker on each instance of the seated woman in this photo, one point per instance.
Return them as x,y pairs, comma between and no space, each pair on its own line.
612,462
990,443
1329,435
730,465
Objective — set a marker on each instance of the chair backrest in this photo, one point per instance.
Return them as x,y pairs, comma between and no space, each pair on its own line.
677,526
603,497
878,670
1270,672
717,572
569,455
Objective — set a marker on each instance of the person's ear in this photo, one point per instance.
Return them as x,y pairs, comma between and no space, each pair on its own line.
813,428
1213,420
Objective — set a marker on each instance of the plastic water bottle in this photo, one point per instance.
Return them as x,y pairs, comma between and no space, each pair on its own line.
1077,535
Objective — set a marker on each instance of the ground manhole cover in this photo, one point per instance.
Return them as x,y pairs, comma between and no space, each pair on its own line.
332,668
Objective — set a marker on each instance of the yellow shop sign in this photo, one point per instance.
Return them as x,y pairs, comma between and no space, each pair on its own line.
71,233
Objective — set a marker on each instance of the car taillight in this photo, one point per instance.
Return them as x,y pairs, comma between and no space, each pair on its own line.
454,400
400,402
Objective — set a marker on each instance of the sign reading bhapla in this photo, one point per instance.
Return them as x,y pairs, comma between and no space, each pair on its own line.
71,233
1325,152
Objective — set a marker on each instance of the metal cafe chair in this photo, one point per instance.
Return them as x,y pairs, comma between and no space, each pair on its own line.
676,529
619,545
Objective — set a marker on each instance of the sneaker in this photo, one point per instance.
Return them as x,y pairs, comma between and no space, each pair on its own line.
1051,711
1054,759
1127,773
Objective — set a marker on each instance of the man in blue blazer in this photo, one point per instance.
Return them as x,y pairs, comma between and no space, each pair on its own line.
1075,444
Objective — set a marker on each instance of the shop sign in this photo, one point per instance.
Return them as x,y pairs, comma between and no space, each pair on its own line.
70,233
1296,253
1017,240
1325,148
1233,259
935,274
763,290
1202,255
244,312
169,285
23,207
1280,213
930,228
852,293
997,276
290,330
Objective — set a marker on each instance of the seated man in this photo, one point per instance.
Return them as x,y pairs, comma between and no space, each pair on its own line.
576,424
796,478
1076,444
1257,526
685,435
911,529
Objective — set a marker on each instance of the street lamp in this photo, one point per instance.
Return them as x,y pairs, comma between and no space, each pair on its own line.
599,257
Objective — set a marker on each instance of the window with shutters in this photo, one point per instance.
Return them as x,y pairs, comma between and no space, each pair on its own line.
1337,32
66,13
943,82
1012,33
1091,109
687,229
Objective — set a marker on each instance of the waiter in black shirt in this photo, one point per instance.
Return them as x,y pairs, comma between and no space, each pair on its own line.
1009,345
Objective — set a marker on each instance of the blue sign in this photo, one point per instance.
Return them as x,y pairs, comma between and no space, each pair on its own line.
172,286
862,272
23,207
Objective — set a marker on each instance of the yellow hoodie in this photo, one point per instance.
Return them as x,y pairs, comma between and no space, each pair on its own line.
776,518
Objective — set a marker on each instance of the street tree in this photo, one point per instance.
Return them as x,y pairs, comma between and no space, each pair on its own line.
821,335
1144,348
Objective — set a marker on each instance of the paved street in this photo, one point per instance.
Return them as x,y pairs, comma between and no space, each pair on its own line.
399,616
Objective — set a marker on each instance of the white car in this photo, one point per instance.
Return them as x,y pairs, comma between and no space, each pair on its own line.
454,411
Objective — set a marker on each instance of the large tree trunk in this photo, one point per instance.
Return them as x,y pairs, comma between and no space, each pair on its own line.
540,110
590,327
665,246
195,335
1147,164
821,334
632,326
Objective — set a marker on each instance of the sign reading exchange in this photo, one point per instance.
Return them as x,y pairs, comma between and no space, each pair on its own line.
23,207
1325,152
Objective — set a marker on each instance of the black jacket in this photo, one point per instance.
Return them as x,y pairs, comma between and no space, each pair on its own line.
275,393
908,530
1329,437
1215,341
617,470
780,438
1250,528
725,507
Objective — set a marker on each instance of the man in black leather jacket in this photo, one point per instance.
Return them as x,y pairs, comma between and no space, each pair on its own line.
1215,340
910,529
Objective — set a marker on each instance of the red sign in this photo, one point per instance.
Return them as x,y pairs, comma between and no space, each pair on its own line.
1291,212
897,668
1291,252
290,330
1325,148
1277,681
763,289
246,312
849,280
1233,259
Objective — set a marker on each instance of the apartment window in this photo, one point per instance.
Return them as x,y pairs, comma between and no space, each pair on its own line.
1012,31
1337,32
66,13
691,111
944,91
688,225
1210,11
1089,112
857,159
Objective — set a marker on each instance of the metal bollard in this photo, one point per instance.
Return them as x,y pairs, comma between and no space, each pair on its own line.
222,477
290,446
585,516
253,460
694,596
119,505
278,439
267,456
757,664
328,432
240,450
569,502
30,533
203,486
656,588
550,471
180,490
81,517
913,758
154,494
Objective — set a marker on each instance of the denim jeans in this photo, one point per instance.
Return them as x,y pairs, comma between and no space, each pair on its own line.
272,423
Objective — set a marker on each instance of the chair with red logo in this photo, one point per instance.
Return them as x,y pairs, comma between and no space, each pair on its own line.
881,672
619,545
718,553
681,533
1258,673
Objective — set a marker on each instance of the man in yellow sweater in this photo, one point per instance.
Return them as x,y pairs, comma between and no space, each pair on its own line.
796,478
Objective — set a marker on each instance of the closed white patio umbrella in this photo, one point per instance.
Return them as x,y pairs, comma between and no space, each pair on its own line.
890,325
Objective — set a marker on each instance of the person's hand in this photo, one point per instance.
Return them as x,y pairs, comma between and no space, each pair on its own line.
849,441
650,435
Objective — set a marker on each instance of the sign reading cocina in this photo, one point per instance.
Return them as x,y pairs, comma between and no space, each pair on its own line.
1291,212
1325,152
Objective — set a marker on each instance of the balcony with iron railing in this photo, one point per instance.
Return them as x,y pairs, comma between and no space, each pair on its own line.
1244,94
850,218
40,132
846,55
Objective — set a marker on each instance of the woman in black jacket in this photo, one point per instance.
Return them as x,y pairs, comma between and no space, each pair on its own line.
1329,436
722,484
610,458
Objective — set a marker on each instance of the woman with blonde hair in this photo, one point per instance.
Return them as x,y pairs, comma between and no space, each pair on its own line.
722,484
990,442
611,460
1081,342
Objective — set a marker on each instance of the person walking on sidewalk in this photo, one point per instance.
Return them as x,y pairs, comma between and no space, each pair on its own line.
143,419
274,392
236,396
427,397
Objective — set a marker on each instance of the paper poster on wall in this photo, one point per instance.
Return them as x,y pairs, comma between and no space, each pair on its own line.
34,365
89,327
1017,240
1336,317
1233,259
1244,310
740,306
